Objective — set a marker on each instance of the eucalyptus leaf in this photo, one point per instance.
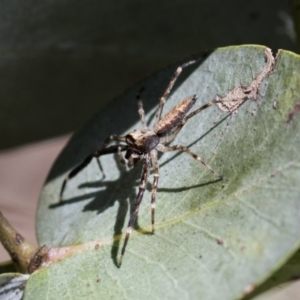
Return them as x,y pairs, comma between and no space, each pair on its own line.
214,239
12,285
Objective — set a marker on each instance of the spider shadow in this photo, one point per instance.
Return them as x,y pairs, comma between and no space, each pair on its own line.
122,190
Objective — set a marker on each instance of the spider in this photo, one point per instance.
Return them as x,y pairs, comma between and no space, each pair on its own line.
143,145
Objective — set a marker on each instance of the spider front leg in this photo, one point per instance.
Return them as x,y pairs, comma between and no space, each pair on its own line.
120,156
141,111
165,95
136,204
102,151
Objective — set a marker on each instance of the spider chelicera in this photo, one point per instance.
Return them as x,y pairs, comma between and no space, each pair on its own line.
145,144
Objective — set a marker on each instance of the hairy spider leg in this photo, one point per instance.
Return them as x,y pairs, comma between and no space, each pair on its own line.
102,151
136,204
153,157
120,156
165,95
154,162
141,108
195,112
163,148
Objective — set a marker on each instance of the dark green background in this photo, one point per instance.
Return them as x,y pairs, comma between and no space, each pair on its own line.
61,61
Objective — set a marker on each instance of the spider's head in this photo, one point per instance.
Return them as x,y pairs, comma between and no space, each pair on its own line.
142,141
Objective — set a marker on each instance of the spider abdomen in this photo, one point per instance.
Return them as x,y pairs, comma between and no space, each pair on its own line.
171,120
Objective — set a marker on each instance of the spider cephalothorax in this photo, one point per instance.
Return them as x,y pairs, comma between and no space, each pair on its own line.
142,140
143,145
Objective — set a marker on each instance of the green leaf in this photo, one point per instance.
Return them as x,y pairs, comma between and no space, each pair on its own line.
12,285
214,239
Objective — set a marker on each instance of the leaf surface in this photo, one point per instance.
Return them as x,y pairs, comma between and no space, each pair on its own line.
214,239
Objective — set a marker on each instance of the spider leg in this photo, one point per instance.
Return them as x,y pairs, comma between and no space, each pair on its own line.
120,157
100,166
87,160
103,146
163,148
153,156
203,107
136,204
141,108
166,93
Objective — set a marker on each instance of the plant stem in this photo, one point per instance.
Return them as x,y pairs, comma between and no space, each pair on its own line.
18,248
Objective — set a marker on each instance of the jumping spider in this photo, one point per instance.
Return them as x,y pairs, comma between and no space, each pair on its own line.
144,145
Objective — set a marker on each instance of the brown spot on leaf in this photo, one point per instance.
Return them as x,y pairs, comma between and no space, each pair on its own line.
220,242
292,114
38,258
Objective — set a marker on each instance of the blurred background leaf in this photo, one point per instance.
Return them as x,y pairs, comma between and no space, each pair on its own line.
62,61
